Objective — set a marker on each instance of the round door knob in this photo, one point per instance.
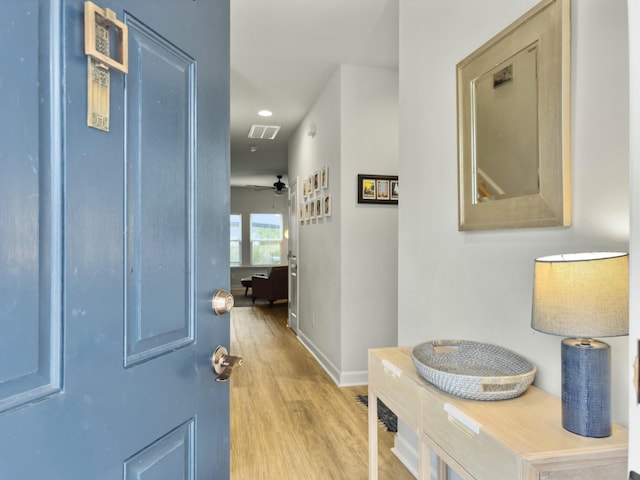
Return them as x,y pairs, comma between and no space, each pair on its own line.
222,302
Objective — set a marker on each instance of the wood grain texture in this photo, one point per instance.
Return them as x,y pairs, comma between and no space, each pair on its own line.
494,440
289,420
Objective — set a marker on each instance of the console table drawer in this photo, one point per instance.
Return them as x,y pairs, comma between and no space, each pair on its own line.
400,393
462,443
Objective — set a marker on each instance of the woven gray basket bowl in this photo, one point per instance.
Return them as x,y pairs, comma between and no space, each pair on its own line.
474,370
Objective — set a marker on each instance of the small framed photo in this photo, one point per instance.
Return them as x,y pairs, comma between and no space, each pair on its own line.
301,212
378,189
382,189
367,189
316,181
312,209
306,211
324,178
318,207
310,186
394,190
305,188
326,205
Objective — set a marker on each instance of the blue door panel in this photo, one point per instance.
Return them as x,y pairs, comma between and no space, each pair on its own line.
169,458
160,170
30,206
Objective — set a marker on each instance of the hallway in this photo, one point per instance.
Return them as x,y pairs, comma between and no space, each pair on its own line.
289,421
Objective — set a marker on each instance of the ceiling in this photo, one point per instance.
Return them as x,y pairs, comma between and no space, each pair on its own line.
283,53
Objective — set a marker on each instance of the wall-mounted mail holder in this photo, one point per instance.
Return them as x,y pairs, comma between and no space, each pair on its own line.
99,23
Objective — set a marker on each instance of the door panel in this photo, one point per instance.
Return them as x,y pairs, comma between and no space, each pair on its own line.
111,246
169,458
30,252
160,195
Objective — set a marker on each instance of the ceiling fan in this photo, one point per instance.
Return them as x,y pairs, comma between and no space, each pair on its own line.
279,187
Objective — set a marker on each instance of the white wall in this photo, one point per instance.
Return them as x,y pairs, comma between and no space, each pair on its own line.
634,253
319,255
347,262
478,285
246,201
369,232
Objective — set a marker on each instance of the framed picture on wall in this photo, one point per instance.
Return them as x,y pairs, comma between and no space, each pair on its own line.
366,189
394,190
382,189
326,205
318,207
378,189
316,181
324,178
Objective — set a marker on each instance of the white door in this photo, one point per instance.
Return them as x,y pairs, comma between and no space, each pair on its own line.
634,246
294,223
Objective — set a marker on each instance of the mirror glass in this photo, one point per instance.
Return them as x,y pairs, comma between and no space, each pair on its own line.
514,125
505,126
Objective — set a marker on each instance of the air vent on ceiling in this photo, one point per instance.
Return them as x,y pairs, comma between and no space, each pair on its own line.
266,132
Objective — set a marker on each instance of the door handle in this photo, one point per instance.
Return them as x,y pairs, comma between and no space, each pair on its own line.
222,302
223,363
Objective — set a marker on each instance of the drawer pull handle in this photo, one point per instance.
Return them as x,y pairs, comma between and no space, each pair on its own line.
391,368
461,420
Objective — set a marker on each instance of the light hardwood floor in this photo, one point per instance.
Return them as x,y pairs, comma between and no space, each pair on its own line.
288,418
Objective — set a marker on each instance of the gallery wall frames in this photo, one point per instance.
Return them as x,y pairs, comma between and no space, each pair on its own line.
380,189
315,201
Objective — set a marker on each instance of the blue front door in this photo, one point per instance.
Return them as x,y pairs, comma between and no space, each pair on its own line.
112,245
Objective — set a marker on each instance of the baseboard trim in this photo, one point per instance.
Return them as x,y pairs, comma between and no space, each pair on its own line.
341,379
355,378
320,357
405,450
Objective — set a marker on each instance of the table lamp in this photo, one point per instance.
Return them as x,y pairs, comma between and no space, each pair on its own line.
583,295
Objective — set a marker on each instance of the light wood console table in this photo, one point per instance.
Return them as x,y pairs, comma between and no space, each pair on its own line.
521,438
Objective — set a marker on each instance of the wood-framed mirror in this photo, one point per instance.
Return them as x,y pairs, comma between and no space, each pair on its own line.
514,124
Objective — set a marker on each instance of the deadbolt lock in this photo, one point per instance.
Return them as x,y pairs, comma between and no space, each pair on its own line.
223,363
222,302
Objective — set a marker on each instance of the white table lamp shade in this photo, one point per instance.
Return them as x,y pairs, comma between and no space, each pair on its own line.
582,295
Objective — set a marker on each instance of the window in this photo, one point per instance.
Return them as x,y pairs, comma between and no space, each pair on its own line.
266,238
235,233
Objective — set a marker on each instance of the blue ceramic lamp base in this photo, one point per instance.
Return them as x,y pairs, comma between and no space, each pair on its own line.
586,387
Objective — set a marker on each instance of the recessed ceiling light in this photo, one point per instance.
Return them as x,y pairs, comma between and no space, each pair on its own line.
253,148
265,113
